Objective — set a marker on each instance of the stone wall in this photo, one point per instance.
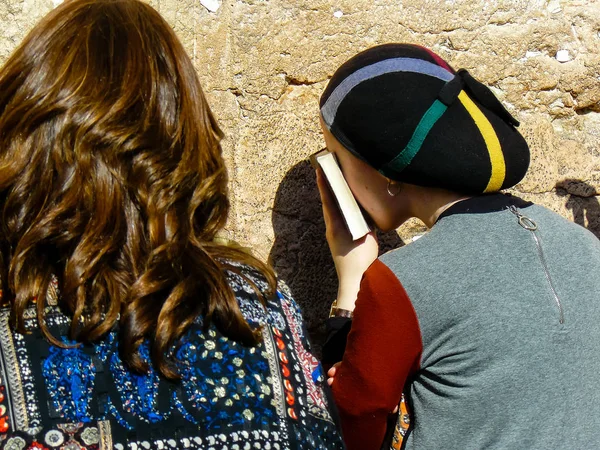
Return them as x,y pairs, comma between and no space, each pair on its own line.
264,63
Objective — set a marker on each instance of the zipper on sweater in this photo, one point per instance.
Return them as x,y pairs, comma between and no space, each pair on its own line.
531,226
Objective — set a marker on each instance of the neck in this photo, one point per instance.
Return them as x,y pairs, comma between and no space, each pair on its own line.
429,203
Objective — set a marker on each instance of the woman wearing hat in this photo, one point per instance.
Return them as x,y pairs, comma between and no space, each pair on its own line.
490,322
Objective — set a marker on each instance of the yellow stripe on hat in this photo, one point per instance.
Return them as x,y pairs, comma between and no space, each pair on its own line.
491,141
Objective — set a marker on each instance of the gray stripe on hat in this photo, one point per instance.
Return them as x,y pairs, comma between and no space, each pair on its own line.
330,108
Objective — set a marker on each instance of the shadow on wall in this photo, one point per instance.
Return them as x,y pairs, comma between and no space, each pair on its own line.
300,254
583,201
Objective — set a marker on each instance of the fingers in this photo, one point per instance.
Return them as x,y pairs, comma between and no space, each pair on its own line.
327,200
331,372
334,221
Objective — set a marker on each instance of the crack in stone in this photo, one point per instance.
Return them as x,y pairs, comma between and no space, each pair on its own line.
294,81
590,109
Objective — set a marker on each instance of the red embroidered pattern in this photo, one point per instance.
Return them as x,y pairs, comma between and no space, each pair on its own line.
310,365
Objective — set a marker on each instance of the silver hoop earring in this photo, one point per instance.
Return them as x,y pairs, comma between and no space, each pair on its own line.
396,192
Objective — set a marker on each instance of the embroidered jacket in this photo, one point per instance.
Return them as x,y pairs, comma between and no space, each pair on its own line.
230,397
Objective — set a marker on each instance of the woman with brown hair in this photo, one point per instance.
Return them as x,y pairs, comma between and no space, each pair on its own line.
124,323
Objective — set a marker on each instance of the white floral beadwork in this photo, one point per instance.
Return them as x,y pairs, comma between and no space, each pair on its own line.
54,438
15,443
90,436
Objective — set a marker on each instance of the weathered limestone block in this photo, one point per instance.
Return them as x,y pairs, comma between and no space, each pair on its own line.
264,63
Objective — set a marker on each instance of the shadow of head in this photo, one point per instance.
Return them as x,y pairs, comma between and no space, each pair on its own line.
300,254
582,199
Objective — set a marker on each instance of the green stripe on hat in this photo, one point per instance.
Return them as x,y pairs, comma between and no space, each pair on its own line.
404,158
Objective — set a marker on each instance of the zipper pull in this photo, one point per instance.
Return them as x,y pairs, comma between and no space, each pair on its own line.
524,221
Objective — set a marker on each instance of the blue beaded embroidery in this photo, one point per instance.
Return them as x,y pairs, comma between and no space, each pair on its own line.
69,375
138,392
217,372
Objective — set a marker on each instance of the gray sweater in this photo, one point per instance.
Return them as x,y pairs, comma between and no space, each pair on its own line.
510,326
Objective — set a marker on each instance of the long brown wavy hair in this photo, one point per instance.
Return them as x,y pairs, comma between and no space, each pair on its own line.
112,179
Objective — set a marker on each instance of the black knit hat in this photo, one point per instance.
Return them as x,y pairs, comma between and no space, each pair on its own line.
407,113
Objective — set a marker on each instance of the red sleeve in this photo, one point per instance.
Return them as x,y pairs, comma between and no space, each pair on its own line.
384,348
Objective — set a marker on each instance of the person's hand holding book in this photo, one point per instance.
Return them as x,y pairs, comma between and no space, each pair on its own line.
351,258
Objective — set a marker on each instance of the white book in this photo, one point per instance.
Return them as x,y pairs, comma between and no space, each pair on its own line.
353,216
